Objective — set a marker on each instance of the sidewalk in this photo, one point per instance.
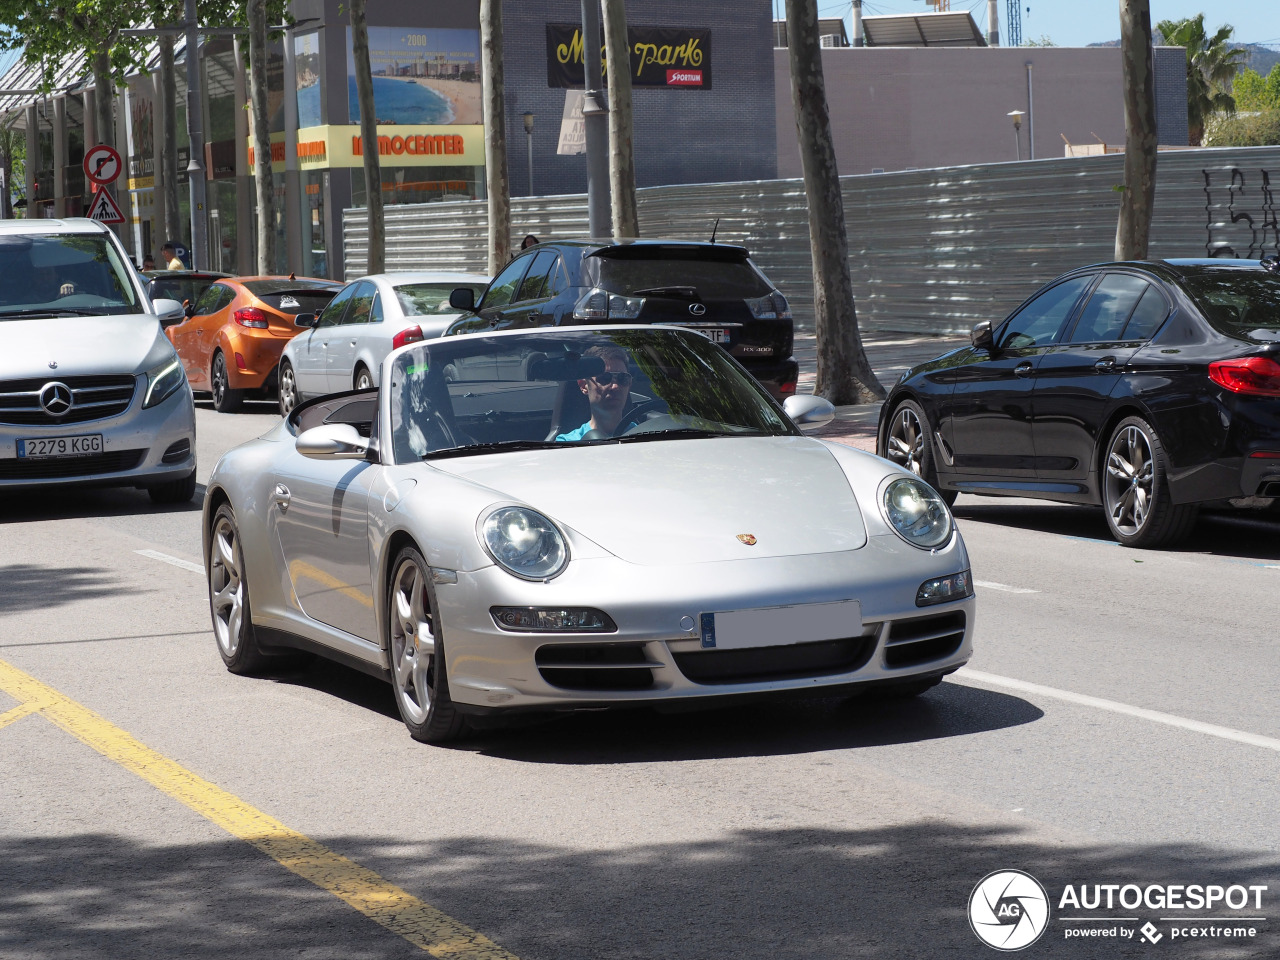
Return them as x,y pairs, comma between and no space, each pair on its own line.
890,354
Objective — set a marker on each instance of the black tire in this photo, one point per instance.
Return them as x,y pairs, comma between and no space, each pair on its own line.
225,399
175,491
363,379
908,443
287,394
1135,489
419,679
229,597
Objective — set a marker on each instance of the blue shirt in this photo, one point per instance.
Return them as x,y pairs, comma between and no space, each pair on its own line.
580,432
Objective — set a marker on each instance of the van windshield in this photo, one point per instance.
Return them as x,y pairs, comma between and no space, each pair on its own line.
63,275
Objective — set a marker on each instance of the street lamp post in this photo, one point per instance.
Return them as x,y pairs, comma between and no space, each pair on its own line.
528,136
1017,128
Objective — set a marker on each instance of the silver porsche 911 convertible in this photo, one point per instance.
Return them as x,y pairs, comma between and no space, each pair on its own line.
568,518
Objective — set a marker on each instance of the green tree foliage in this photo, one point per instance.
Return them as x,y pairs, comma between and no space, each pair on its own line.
1260,129
1252,91
1212,64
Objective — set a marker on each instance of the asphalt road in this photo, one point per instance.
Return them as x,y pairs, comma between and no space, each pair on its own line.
1117,725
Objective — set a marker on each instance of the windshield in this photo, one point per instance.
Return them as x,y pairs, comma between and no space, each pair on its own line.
566,389
420,299
63,275
1239,303
691,277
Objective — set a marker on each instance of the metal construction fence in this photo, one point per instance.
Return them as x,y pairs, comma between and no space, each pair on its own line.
931,251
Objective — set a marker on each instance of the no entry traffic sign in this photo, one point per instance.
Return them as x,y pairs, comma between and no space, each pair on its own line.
101,164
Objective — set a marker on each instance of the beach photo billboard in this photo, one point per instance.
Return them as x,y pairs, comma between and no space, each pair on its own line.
421,75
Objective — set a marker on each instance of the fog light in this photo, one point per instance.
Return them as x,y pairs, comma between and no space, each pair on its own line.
945,589
553,619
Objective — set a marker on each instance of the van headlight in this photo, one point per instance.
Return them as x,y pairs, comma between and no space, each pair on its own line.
163,381
916,513
524,543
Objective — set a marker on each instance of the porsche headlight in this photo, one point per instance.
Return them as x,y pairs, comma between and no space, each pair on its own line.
917,513
524,543
162,381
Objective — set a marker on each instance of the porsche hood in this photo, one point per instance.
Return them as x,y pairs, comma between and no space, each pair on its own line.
684,501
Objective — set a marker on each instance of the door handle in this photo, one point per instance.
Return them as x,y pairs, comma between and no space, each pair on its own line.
1105,365
493,322
1023,369
353,343
281,496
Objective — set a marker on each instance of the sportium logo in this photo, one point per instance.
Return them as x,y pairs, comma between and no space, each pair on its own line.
1008,910
684,78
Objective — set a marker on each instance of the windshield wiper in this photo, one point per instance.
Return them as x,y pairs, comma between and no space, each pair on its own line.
49,312
684,433
492,448
688,293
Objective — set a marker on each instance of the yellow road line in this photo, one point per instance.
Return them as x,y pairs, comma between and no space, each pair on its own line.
20,711
421,924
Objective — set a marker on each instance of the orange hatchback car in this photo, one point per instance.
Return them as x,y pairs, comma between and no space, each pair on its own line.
231,344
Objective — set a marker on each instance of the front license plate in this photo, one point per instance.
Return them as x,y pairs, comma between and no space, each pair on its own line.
714,334
46,448
778,626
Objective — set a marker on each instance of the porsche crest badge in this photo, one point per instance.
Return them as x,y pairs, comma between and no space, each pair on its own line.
748,538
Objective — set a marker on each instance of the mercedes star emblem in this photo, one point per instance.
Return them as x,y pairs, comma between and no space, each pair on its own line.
56,399
697,309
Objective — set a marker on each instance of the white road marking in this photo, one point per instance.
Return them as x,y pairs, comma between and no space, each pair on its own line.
176,561
1210,729
1002,587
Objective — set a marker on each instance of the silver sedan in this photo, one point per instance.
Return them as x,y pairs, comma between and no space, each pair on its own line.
368,319
558,519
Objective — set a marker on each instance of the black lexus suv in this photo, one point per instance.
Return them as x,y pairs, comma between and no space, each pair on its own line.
713,288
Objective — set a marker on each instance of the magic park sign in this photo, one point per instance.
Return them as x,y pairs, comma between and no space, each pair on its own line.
660,56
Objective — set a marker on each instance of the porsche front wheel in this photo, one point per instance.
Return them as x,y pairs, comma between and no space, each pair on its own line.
415,649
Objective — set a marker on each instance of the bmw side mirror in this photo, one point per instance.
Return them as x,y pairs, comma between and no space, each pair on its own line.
809,413
981,335
332,441
462,298
304,320
170,312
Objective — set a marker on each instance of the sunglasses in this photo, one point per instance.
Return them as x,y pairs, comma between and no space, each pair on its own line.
604,379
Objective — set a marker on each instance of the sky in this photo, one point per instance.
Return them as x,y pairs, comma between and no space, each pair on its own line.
1078,23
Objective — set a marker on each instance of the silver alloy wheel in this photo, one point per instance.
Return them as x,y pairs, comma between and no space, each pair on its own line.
226,586
413,644
906,440
288,389
1130,480
219,378
364,379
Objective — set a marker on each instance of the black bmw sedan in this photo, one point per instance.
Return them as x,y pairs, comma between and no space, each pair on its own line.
1146,388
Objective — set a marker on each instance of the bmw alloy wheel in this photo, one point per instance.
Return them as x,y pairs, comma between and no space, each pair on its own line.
1130,480
906,444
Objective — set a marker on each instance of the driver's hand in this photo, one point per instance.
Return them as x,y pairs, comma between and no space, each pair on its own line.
67,290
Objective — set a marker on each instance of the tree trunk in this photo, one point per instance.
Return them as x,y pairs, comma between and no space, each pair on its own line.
844,375
497,186
369,139
1133,230
622,170
104,99
168,117
257,10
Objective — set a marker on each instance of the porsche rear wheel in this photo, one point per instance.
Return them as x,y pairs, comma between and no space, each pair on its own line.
416,652
225,399
229,597
288,389
907,443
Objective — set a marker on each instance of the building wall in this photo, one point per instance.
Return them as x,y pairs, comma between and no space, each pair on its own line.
903,108
680,136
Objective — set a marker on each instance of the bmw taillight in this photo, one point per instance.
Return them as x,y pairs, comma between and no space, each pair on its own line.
251,317
407,335
1255,376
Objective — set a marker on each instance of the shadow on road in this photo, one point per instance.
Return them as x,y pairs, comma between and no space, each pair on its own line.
796,893
29,586
80,502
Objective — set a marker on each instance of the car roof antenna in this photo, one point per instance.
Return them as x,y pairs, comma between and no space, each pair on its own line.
714,229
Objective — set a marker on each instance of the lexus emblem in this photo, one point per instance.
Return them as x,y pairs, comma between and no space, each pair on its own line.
748,538
56,399
697,309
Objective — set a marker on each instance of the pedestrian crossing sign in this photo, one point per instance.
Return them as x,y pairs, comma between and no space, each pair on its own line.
104,209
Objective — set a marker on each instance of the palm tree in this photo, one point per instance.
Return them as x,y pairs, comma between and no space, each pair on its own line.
1211,66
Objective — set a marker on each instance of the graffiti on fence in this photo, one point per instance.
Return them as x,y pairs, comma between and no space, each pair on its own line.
1245,225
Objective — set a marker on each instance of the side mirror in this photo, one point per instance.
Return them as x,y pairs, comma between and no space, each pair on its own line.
304,320
981,335
188,309
809,413
462,298
332,441
170,312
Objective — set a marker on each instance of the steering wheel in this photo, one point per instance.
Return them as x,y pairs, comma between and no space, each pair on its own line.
646,408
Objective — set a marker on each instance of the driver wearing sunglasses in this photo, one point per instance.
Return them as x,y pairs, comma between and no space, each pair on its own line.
607,394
